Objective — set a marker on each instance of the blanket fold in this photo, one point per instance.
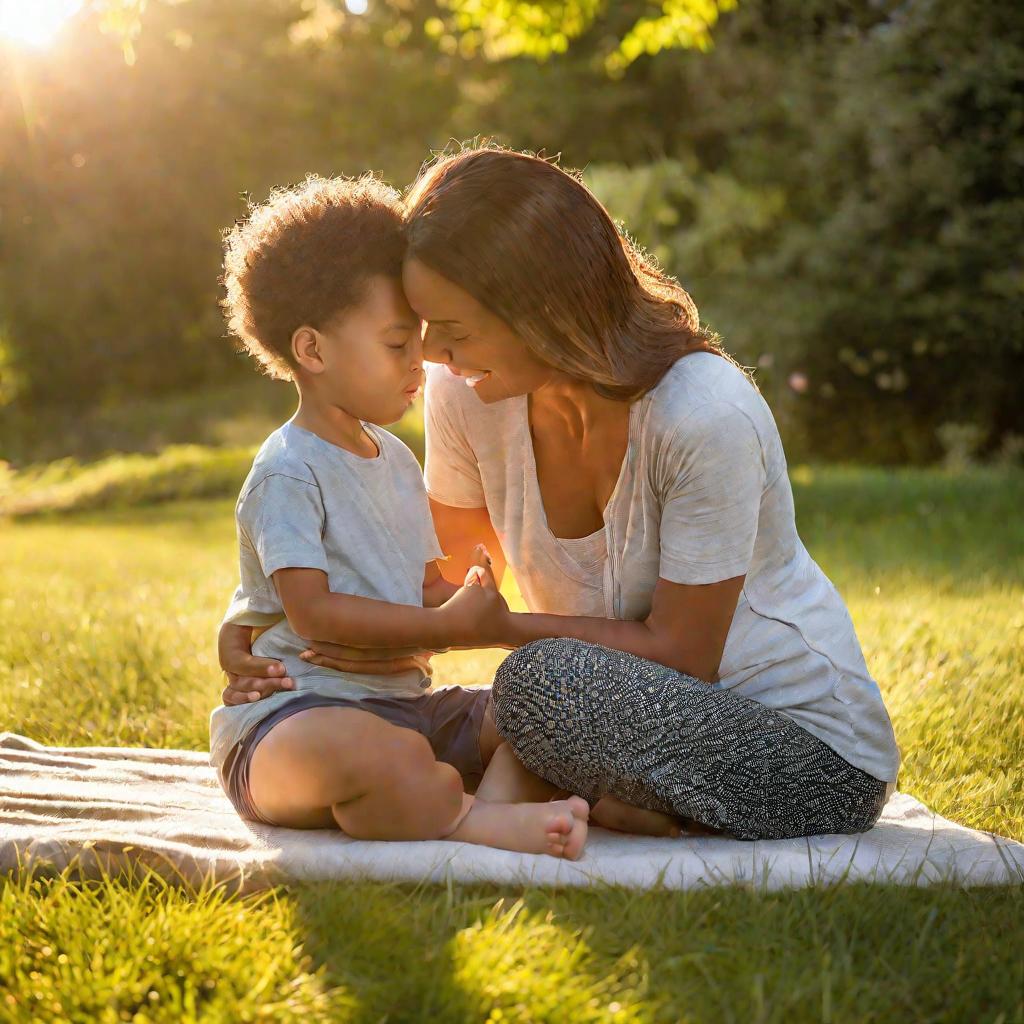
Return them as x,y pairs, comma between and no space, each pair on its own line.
107,809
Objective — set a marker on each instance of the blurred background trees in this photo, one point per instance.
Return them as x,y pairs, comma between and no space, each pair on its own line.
839,184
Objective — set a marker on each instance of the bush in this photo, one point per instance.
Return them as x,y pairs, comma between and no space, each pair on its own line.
855,226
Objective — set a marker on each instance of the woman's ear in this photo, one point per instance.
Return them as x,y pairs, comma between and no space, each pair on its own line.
306,349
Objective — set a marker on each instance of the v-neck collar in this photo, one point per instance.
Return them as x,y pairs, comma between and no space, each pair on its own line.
534,482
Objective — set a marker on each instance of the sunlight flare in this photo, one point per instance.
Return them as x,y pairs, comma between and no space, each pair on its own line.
35,23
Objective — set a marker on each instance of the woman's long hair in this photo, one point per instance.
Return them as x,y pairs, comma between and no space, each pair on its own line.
532,244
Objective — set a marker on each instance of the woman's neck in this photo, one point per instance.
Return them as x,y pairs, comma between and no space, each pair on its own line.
576,405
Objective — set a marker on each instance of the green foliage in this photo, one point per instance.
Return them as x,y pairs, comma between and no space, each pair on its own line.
534,28
113,197
685,24
848,208
122,19
542,28
913,266
838,185
239,413
499,28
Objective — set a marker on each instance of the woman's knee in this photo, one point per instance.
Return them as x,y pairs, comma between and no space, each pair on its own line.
538,670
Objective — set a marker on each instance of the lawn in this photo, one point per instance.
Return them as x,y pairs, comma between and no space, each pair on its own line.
109,618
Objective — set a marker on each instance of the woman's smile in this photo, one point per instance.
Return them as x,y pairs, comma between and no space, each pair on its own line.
471,377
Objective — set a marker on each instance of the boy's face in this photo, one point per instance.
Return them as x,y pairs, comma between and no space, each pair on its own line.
372,355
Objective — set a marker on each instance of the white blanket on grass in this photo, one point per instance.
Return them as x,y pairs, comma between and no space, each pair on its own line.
105,809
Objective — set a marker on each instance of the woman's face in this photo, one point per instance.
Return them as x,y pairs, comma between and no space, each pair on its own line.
470,340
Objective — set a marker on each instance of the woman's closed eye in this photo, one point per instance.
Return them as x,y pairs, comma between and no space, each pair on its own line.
449,330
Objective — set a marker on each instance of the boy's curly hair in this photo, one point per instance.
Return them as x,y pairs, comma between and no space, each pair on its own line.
304,256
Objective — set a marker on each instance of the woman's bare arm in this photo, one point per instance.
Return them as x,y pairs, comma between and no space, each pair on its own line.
436,589
685,630
459,531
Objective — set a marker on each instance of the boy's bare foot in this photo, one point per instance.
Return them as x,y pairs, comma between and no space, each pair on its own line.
610,812
557,828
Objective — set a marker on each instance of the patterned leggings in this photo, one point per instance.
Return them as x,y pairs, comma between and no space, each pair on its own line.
594,721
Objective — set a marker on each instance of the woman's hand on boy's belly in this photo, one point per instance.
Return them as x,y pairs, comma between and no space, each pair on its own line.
379,661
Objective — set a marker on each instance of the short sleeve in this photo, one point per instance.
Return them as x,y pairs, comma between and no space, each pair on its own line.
283,517
715,477
431,545
262,608
451,472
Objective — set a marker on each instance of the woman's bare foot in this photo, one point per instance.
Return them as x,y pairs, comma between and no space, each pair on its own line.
557,828
610,812
695,828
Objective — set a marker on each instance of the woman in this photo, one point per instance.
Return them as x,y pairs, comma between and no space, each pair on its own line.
693,660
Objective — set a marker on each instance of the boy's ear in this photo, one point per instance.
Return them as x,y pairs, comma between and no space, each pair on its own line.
306,349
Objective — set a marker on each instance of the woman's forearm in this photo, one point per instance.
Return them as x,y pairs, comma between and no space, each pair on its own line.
618,634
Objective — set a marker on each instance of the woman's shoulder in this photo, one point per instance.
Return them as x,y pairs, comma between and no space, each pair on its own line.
703,391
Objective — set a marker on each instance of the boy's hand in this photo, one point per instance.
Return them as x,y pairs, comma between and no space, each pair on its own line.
249,687
477,613
248,678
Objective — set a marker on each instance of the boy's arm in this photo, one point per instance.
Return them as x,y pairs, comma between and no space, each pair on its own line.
248,677
474,614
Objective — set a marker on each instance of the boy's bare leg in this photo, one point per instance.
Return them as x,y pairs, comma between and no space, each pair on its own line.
509,826
374,780
489,739
507,780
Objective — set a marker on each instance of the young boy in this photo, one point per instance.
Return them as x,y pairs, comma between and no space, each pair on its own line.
337,545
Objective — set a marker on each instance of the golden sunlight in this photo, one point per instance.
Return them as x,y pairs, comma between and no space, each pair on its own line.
35,22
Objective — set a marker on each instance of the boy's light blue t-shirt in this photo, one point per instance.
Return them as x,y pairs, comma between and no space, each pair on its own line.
307,503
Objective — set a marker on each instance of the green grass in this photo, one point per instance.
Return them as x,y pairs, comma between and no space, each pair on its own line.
109,618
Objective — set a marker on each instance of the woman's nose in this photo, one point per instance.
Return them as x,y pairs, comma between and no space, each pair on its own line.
417,353
433,350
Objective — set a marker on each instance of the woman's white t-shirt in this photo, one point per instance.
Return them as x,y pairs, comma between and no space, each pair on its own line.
703,495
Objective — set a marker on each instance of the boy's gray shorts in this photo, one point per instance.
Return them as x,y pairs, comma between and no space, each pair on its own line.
450,718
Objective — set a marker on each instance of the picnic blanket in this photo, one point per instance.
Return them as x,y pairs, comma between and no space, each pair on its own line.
104,809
